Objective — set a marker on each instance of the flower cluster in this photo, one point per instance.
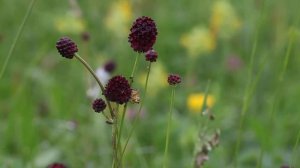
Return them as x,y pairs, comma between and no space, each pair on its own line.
151,55
174,79
118,90
142,34
99,105
66,47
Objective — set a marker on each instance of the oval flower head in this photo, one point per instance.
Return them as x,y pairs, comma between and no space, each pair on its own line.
118,90
66,47
99,105
142,34
174,79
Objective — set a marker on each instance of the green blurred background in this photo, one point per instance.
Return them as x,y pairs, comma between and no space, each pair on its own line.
247,49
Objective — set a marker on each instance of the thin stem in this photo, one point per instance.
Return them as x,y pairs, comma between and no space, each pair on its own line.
115,137
134,67
247,94
114,134
126,104
87,66
17,37
259,161
246,104
139,111
169,128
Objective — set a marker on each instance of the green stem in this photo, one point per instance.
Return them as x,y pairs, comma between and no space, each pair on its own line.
134,67
259,161
114,131
168,129
126,104
139,111
16,39
87,66
247,94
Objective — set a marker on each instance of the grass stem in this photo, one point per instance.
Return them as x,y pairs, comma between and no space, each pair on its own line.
169,128
17,37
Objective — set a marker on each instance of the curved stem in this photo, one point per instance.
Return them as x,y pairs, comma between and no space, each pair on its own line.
87,66
139,111
169,128
12,47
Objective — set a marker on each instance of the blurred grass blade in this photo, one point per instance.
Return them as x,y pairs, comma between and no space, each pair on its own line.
204,105
247,94
13,45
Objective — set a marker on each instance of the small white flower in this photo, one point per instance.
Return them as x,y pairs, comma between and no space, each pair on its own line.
94,90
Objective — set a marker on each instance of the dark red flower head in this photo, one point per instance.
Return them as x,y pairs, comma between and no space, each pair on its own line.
99,105
57,165
66,47
118,90
142,34
110,66
151,55
174,79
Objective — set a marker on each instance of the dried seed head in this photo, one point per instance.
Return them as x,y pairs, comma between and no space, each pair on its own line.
135,96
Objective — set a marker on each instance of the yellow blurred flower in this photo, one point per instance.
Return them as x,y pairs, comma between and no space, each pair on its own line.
195,101
69,23
199,40
119,17
157,80
224,21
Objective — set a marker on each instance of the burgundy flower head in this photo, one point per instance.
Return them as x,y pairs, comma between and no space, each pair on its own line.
118,90
142,34
57,165
66,47
99,105
110,66
151,55
174,79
